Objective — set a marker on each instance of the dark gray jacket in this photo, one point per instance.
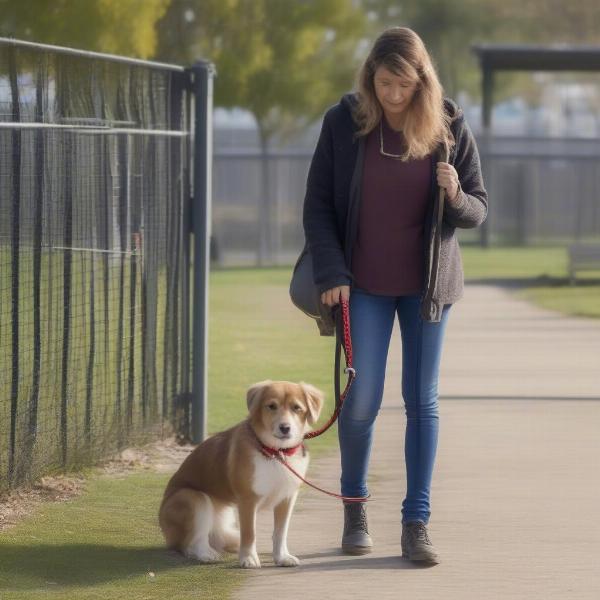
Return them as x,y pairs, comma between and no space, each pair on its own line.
330,214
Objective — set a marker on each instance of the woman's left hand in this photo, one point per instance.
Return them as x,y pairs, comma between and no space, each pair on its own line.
447,177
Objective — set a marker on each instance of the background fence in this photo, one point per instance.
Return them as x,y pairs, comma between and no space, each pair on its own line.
541,191
94,260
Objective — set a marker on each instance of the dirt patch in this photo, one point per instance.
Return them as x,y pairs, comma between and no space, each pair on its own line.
163,456
19,503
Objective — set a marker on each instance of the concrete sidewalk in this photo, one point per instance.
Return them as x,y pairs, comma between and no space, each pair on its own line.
516,487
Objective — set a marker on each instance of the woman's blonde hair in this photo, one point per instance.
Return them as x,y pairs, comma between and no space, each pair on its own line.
403,52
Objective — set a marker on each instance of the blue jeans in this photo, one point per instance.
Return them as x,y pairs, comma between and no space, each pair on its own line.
371,322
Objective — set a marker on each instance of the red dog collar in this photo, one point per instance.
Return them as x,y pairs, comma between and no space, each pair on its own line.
272,452
286,451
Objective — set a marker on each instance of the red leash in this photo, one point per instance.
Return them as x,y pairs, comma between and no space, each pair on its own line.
279,454
349,368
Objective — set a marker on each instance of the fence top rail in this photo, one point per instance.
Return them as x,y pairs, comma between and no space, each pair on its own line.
90,54
95,129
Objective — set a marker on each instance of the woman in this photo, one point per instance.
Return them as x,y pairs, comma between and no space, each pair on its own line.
370,217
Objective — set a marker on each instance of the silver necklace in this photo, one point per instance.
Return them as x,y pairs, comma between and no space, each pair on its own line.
381,150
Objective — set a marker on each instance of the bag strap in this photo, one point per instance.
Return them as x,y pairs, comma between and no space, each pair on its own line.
437,237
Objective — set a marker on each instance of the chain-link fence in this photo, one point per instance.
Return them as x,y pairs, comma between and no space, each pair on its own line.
94,257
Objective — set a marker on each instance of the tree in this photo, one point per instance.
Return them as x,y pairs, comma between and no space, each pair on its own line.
282,61
450,28
447,29
114,26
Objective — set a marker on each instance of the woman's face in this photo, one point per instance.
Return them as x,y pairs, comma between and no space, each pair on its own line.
393,91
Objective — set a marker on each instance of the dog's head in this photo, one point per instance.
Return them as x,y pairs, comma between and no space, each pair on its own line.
281,412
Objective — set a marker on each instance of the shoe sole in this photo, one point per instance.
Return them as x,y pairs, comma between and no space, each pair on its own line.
357,549
433,559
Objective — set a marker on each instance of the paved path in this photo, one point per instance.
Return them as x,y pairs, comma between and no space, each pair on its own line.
516,487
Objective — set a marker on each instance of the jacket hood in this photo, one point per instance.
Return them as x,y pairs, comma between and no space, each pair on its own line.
349,100
452,108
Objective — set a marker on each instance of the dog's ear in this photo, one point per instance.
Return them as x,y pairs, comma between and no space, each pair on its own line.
254,394
314,401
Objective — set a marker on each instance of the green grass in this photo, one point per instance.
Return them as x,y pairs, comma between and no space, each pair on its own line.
583,301
540,275
514,263
256,333
105,544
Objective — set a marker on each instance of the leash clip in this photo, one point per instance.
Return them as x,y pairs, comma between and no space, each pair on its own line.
350,369
267,454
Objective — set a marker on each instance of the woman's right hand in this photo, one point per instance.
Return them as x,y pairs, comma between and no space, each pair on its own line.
332,296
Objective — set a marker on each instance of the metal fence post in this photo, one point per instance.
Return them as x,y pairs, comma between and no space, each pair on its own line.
202,85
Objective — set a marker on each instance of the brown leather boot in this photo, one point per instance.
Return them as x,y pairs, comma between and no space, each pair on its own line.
416,544
356,538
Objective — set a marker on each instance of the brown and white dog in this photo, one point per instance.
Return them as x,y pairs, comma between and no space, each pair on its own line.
228,470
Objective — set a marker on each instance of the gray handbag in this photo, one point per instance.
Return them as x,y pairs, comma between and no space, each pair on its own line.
305,294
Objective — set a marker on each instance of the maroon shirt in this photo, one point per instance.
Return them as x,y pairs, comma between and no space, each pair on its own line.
388,256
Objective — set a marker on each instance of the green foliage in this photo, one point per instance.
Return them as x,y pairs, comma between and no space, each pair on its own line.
114,26
280,60
449,29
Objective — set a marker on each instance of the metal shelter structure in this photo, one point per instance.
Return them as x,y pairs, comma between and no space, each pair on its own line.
513,57
524,57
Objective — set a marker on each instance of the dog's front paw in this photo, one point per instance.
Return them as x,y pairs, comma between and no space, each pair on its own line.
249,561
286,560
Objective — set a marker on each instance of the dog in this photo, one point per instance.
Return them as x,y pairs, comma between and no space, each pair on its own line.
228,470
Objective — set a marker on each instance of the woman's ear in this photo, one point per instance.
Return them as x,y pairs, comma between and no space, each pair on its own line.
314,401
254,394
